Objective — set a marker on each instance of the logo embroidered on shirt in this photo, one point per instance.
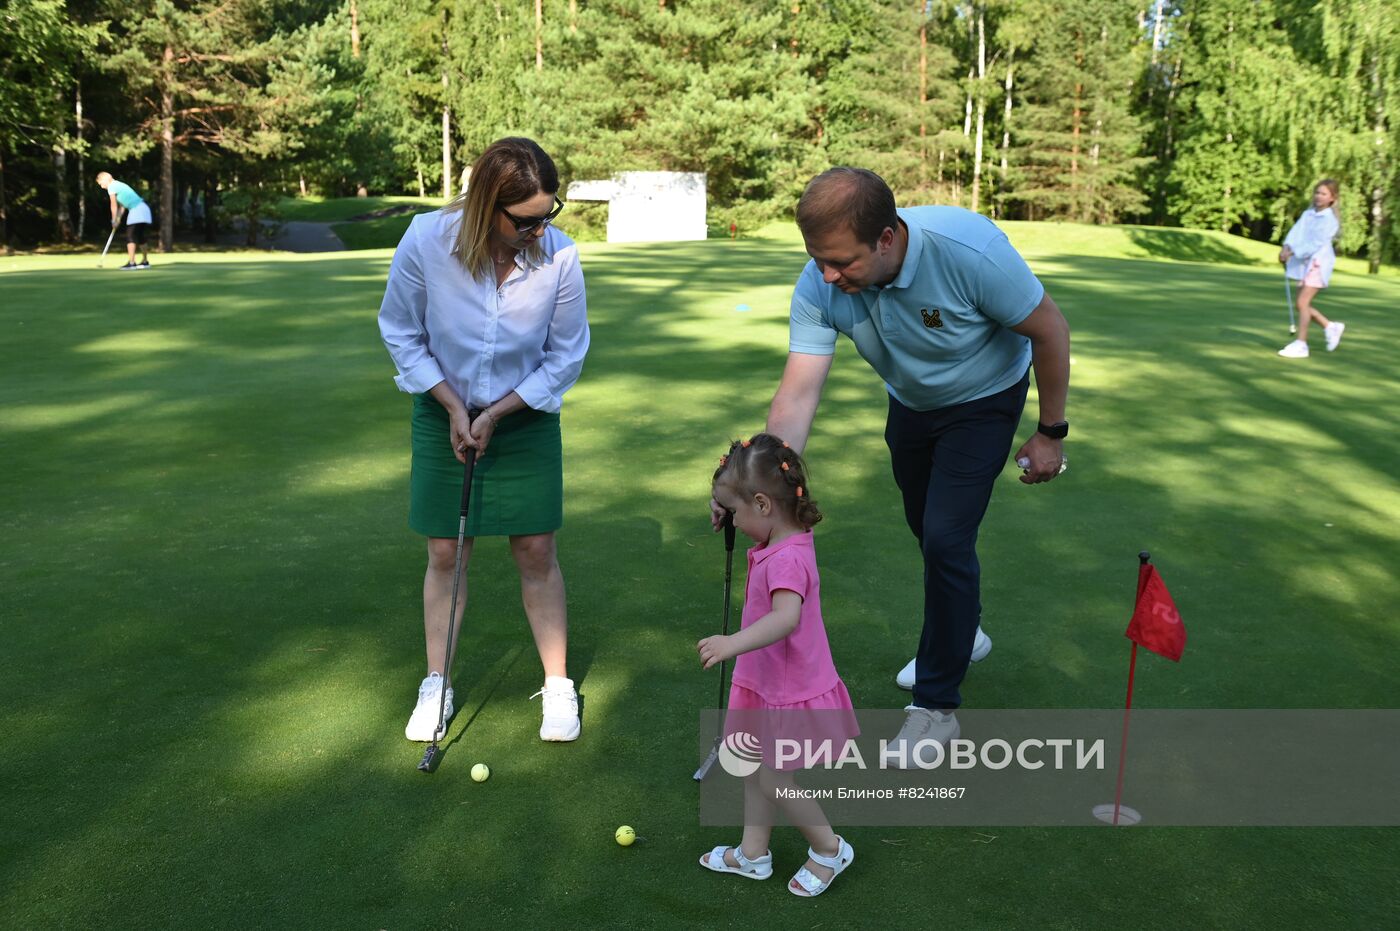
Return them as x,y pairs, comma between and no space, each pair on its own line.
932,318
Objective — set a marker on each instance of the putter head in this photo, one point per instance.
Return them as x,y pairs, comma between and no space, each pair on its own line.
431,757
709,762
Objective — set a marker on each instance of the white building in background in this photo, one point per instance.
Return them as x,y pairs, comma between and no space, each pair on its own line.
649,206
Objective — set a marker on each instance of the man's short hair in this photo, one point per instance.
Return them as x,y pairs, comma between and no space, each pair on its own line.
855,198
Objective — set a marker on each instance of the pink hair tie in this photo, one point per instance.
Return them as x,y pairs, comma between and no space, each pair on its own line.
784,466
744,443
799,491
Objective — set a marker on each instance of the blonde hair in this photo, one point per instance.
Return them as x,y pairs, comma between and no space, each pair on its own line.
1335,190
511,170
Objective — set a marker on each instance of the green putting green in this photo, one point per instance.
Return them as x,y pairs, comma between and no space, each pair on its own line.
211,620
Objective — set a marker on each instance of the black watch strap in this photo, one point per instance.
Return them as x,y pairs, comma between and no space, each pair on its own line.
1056,431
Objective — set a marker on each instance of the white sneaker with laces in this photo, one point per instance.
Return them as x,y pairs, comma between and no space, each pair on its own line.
981,646
1295,350
560,710
425,717
1334,333
922,728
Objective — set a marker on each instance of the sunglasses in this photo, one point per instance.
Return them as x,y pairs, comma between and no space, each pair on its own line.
530,224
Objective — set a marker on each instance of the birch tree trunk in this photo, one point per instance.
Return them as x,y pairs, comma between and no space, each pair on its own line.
167,153
446,120
981,108
82,176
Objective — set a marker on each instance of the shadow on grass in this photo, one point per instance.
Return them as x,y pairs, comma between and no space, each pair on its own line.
1186,246
212,617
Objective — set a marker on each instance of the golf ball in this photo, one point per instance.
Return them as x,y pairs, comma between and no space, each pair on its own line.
481,772
625,835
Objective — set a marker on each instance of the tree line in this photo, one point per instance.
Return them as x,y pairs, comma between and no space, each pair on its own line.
1210,114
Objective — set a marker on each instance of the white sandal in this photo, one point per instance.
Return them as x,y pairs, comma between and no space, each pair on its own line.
808,884
760,868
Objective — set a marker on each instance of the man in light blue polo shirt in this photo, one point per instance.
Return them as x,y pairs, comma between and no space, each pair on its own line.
950,316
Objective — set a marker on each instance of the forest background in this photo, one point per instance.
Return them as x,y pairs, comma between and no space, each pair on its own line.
1208,114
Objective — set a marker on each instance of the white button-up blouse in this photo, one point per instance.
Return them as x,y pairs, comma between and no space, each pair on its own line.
529,335
1311,240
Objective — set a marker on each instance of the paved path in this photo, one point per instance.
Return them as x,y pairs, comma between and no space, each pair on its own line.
300,236
295,236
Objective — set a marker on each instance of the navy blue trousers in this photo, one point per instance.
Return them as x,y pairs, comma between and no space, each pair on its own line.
946,462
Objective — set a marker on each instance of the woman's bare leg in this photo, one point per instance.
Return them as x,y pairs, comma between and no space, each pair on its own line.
437,597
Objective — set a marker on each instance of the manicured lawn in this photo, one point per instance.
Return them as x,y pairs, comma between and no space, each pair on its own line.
211,620
338,209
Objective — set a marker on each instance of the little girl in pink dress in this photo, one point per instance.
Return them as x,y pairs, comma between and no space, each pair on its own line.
786,696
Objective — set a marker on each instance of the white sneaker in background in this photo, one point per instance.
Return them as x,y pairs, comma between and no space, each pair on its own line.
560,709
425,717
1295,350
981,646
922,724
1334,333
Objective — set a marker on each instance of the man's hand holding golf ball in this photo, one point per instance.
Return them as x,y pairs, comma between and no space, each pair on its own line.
1041,458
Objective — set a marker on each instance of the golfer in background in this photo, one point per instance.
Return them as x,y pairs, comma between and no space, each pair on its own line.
950,316
1308,258
138,217
484,316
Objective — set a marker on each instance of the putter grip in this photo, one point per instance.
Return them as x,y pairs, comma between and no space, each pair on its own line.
728,531
468,468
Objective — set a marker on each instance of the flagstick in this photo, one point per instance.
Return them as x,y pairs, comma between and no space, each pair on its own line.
1143,557
1123,749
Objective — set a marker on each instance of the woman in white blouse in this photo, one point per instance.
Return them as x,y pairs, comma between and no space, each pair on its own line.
485,318
1308,258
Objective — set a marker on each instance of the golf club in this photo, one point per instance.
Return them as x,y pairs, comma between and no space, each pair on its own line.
723,703
109,237
1288,289
433,755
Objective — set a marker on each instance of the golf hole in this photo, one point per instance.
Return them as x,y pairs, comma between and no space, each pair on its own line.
1127,817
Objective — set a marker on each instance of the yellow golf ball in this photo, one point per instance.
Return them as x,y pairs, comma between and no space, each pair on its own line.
480,772
625,835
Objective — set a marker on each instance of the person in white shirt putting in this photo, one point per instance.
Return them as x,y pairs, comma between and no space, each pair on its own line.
485,318
1308,258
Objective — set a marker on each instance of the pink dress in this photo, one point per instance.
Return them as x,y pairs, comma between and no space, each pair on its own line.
787,697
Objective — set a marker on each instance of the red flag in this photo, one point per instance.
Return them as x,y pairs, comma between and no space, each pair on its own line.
1156,624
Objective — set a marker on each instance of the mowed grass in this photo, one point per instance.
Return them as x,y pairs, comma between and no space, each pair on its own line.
212,634
338,209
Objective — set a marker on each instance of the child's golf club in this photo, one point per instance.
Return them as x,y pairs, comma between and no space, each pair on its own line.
432,755
723,703
1288,289
103,258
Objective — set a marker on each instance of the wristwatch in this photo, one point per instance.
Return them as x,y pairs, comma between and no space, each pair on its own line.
1056,431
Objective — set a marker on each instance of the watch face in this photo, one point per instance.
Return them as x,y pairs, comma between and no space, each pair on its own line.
1056,431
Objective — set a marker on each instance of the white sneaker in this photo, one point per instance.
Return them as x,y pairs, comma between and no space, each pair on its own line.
1297,349
981,646
1334,333
425,717
922,724
560,709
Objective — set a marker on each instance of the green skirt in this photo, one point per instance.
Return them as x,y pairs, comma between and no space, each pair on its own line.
517,487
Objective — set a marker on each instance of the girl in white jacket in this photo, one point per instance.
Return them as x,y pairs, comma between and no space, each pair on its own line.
1308,258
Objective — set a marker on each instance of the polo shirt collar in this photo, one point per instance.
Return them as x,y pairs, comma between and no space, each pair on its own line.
912,254
758,554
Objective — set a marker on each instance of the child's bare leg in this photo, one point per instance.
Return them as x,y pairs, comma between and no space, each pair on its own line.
758,822
809,818
1307,312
